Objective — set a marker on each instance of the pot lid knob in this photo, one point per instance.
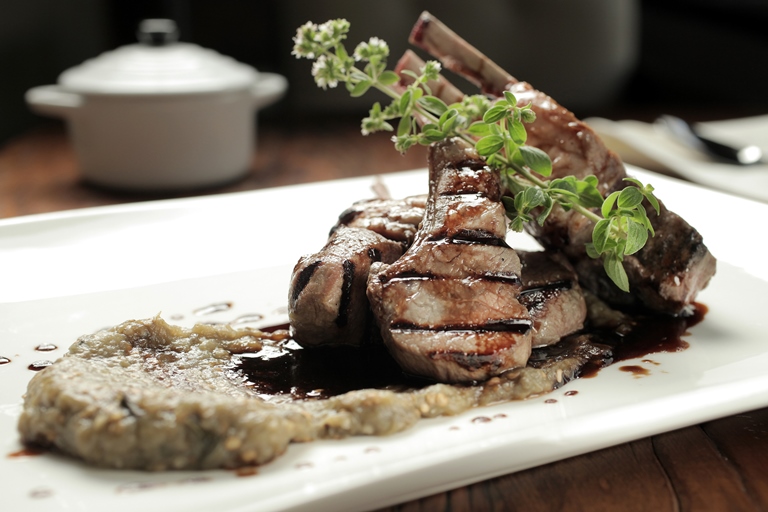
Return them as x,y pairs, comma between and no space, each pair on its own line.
158,32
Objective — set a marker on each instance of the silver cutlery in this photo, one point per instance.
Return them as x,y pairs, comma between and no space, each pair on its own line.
690,136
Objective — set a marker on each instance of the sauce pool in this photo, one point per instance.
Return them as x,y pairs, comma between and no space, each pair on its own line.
287,370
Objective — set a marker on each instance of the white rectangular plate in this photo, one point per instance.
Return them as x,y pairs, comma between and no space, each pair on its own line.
69,273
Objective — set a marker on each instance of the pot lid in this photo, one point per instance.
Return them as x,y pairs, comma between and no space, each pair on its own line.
158,64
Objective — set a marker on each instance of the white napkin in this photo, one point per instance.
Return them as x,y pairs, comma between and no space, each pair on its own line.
648,146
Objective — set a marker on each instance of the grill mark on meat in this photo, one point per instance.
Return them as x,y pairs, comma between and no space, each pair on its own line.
405,275
411,277
547,288
518,325
374,254
552,295
394,219
538,298
470,236
463,192
475,165
346,292
327,300
450,302
471,362
303,280
347,216
501,277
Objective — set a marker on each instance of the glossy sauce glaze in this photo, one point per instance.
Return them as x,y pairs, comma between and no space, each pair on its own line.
651,334
42,364
287,370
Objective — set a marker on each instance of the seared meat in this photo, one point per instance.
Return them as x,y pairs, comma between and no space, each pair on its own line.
395,219
448,308
327,302
552,294
667,274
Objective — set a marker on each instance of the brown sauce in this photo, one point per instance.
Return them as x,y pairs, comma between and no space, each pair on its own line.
635,370
27,451
247,471
46,347
4,360
651,334
275,328
36,366
288,370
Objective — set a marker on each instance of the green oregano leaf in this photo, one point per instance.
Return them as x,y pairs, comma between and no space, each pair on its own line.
433,104
591,251
629,198
537,160
360,88
404,126
615,270
388,78
405,101
517,132
600,235
637,235
479,129
433,135
589,195
608,203
489,144
495,113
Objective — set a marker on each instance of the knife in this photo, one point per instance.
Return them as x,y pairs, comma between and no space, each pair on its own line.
690,136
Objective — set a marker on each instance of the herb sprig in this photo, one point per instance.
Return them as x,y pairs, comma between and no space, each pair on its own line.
496,129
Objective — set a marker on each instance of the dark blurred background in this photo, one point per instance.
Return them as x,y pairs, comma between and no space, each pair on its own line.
616,58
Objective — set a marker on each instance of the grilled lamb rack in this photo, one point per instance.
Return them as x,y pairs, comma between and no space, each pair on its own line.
448,308
668,273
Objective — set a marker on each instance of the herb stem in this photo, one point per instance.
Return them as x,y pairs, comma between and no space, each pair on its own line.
621,222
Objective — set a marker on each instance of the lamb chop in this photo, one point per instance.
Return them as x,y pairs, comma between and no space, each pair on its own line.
667,274
550,289
448,308
394,219
327,303
552,295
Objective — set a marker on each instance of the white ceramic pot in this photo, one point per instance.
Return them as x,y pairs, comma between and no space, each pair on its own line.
160,114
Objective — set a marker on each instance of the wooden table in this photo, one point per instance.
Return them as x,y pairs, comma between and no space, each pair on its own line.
719,465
